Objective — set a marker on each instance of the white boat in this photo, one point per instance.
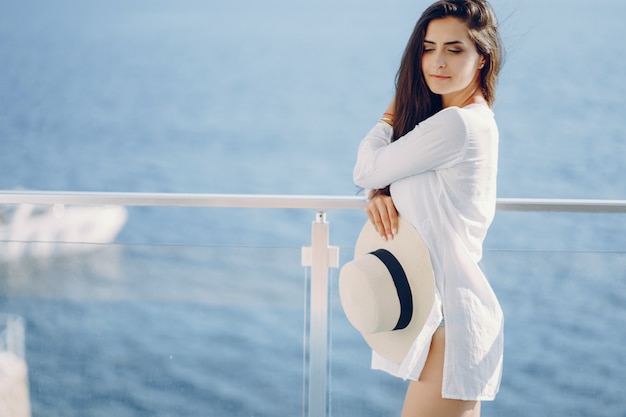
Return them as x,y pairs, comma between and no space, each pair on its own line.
43,231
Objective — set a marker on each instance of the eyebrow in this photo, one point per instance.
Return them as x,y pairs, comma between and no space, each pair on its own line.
447,43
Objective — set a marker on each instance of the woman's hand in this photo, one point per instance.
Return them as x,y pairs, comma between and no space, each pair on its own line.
383,215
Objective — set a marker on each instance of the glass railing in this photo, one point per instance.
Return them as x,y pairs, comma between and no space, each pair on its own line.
204,329
565,338
157,330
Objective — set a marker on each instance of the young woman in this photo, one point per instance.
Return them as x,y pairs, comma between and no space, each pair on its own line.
432,159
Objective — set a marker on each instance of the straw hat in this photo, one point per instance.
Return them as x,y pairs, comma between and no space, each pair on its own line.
388,290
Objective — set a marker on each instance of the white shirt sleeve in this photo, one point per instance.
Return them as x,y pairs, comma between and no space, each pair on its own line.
438,142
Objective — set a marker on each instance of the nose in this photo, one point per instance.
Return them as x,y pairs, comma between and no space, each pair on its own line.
440,61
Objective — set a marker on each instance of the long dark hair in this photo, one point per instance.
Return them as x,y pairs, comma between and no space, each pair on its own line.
414,100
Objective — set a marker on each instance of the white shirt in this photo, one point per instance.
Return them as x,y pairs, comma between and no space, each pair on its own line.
443,181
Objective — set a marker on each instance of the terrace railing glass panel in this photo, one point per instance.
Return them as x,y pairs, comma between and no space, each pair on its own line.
179,328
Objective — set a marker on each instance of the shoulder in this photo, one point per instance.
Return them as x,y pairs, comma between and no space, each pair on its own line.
462,115
476,114
468,120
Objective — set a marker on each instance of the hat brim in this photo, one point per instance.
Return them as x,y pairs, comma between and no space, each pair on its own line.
412,252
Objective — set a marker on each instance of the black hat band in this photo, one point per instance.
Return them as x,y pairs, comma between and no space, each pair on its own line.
401,283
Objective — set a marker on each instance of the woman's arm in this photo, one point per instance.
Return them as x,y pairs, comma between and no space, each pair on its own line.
380,209
382,162
437,142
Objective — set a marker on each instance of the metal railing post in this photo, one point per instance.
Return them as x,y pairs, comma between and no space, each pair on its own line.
320,257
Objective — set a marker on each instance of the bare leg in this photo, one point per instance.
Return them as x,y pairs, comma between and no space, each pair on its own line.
423,397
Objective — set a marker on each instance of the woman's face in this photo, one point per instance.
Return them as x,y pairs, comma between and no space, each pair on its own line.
451,63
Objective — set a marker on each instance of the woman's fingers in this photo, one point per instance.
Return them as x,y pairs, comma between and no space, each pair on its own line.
383,215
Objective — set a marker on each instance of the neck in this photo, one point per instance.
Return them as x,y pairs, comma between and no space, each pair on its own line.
471,95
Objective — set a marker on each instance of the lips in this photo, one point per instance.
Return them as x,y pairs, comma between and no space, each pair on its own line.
439,77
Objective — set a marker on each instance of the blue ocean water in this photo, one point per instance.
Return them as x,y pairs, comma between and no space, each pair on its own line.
273,97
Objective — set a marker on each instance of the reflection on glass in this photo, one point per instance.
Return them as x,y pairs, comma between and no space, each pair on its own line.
14,401
162,330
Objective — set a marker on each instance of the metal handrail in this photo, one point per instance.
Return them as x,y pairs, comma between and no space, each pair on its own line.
282,201
184,200
561,205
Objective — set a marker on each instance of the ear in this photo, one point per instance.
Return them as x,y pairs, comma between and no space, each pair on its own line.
483,60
